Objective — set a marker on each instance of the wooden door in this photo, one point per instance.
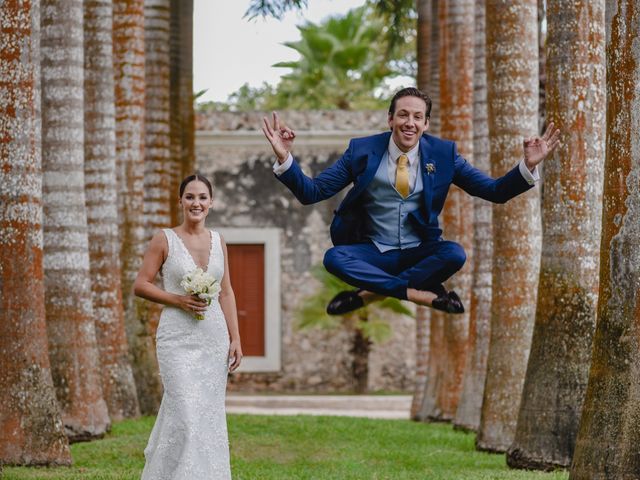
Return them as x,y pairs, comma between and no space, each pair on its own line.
246,265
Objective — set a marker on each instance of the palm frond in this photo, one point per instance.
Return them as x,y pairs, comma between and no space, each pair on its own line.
273,8
199,93
375,329
394,305
312,312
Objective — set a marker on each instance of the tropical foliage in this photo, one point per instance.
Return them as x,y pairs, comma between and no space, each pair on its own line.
369,319
245,99
337,64
344,63
366,324
273,9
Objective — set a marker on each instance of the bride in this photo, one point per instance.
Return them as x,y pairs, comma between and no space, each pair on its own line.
189,438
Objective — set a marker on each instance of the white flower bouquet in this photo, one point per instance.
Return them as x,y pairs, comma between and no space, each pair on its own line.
201,284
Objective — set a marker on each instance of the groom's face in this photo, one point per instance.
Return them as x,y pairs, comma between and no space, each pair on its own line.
408,122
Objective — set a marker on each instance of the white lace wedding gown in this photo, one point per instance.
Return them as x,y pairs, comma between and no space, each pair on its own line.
189,439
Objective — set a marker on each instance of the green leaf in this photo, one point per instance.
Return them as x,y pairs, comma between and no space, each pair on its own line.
352,57
312,310
394,305
286,65
375,329
273,8
199,93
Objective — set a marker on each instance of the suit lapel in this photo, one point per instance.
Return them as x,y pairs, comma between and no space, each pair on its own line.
378,148
427,177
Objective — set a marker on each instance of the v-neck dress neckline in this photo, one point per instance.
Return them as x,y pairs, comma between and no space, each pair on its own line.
193,260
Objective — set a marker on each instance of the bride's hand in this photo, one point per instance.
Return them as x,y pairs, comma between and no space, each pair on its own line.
235,355
192,304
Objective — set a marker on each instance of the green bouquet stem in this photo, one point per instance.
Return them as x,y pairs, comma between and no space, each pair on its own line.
199,316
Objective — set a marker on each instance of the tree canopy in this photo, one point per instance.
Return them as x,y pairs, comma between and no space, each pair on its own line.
344,61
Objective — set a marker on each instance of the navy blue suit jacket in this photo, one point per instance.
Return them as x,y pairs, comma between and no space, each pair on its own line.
440,166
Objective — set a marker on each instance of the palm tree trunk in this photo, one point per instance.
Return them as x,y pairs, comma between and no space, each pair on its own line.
425,25
422,359
118,385
435,370
31,429
360,350
73,349
609,437
128,49
181,84
558,367
428,52
542,63
158,188
512,92
468,413
456,19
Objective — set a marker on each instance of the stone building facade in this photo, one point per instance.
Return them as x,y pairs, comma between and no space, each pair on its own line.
252,207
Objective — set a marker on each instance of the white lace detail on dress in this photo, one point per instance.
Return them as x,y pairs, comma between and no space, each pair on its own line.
189,439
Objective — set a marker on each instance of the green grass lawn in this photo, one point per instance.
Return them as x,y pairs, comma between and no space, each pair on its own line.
304,447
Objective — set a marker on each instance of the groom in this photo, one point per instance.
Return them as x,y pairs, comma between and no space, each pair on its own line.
386,237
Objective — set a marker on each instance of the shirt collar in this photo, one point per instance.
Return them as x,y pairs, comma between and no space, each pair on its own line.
395,152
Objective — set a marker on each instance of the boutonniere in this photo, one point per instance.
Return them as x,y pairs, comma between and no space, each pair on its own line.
431,168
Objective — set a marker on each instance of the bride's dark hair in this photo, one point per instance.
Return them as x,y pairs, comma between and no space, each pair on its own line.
194,177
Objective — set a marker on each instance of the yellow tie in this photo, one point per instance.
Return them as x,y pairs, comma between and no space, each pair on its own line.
402,176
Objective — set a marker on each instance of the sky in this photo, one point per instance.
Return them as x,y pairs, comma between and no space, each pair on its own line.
229,50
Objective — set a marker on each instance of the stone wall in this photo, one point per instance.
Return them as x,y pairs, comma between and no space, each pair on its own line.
232,151
304,121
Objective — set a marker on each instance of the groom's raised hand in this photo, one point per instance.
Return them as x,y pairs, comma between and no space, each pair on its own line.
536,149
280,137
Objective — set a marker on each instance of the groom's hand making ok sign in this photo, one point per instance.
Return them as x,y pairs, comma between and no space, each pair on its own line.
536,149
280,137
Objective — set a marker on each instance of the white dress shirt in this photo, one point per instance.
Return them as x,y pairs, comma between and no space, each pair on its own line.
414,162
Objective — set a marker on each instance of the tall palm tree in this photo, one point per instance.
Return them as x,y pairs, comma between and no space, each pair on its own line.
429,46
31,429
425,23
468,413
444,382
559,361
427,328
128,51
456,18
608,439
365,324
159,188
158,182
512,92
118,385
182,123
339,64
75,358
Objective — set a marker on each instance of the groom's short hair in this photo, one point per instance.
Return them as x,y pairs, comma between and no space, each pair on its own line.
410,92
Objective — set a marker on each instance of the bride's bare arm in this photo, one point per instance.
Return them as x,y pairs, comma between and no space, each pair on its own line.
144,287
228,304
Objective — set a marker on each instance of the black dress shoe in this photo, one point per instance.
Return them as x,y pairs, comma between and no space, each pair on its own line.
345,302
438,289
456,303
449,303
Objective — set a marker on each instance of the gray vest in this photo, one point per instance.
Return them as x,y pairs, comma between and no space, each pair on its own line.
388,223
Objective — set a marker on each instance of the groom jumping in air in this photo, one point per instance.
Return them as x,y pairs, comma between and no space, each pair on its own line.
386,237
